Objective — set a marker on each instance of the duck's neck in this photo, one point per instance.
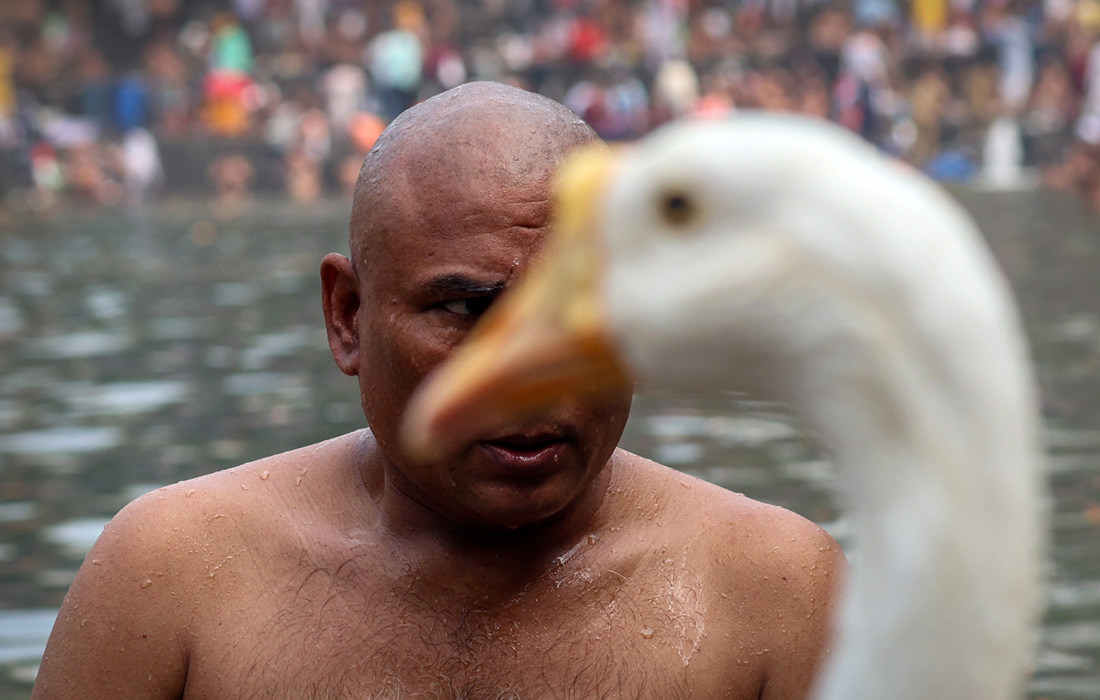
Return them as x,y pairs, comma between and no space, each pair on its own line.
938,453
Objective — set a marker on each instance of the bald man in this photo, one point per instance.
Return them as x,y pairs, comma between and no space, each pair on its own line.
537,562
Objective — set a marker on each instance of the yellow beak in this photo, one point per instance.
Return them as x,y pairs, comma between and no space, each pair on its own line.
545,339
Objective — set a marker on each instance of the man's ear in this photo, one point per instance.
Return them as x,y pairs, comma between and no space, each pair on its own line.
340,297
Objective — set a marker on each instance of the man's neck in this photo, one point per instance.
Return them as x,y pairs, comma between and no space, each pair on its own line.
487,557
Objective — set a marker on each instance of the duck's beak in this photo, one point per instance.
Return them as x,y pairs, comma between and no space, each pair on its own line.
545,339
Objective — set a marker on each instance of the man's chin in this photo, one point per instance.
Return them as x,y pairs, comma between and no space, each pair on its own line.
526,503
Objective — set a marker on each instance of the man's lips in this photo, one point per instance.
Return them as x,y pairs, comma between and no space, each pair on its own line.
529,454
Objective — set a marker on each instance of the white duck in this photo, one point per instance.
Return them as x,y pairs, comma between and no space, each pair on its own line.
784,256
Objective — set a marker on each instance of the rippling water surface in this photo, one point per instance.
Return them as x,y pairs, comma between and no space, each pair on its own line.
140,349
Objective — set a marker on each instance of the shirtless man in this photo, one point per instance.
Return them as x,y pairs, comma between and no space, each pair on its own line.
345,570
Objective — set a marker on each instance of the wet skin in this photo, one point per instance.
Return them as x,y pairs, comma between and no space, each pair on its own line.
535,562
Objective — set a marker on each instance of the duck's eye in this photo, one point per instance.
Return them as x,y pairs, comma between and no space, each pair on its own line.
677,208
469,306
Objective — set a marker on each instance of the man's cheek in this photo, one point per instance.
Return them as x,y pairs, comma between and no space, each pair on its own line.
439,342
420,355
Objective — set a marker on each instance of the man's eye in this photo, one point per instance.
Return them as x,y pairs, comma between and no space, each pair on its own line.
470,306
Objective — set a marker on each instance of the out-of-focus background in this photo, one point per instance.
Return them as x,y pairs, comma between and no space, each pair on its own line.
111,101
172,172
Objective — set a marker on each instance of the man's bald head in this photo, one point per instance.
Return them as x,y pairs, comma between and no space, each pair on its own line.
462,145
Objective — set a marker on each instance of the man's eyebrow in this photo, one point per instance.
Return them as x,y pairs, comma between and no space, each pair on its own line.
460,284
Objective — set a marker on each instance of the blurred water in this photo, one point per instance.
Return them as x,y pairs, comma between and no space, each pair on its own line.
140,349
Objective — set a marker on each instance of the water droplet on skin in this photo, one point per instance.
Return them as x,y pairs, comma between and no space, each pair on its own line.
592,539
146,583
264,475
190,493
647,633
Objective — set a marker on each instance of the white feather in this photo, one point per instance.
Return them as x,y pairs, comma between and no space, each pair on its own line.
814,270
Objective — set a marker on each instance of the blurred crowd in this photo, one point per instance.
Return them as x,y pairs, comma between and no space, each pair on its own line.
110,100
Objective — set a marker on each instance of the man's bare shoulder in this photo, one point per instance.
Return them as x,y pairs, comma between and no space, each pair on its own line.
283,487
148,581
731,521
178,528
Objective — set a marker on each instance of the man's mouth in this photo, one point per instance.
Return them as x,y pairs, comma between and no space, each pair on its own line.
530,454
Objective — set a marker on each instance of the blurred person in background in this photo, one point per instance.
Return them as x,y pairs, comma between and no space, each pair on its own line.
396,59
8,53
344,87
231,174
171,95
225,111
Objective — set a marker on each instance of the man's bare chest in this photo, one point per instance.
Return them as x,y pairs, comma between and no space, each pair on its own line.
588,633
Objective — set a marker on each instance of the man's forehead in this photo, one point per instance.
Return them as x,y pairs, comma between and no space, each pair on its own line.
488,247
479,206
